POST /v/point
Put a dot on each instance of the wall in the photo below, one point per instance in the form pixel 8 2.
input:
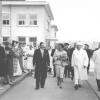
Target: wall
pixel 27 31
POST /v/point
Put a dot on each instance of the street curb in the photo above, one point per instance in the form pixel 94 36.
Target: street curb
pixel 15 83
pixel 94 91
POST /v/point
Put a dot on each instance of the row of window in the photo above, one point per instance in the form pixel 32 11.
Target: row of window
pixel 23 39
pixel 22 19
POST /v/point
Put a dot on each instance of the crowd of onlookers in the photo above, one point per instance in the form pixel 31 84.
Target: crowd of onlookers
pixel 15 59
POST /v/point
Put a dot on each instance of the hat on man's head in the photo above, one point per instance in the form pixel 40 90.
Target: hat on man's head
pixel 79 43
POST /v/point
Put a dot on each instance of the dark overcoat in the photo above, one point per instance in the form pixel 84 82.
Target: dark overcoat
pixel 41 63
pixel 9 62
pixel 2 62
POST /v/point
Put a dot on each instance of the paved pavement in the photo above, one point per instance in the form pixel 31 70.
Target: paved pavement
pixel 8 87
pixel 26 91
pixel 93 84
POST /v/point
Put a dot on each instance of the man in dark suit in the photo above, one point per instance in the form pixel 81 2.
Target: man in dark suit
pixel 70 58
pixel 41 61
pixel 89 53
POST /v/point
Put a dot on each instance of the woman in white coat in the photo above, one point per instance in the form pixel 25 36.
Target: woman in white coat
pixel 96 58
pixel 80 63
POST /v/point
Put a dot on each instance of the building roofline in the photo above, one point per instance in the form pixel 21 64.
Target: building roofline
pixel 31 3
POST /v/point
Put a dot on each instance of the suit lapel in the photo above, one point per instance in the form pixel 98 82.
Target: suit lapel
pixel 40 53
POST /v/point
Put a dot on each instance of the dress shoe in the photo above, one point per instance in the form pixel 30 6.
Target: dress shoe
pixel 60 86
pixel 36 88
pixel 76 87
pixel 42 86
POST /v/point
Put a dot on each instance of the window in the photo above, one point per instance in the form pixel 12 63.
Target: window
pixel 21 39
pixel 21 19
pixel 33 20
pixel 33 40
pixel 6 19
pixel 5 39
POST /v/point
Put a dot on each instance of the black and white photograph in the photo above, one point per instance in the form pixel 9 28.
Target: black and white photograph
pixel 49 49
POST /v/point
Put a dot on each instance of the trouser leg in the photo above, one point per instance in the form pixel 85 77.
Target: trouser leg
pixel 37 82
pixel 68 69
pixel 72 72
pixel 61 72
pixel 54 69
pixel 88 68
pixel 43 82
pixel 76 76
pixel 76 81
pixel 65 71
pixel 58 80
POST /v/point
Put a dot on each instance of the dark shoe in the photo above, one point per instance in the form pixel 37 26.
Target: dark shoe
pixel 36 88
pixel 60 87
pixel 76 87
pixel 72 78
pixel 79 85
pixel 42 86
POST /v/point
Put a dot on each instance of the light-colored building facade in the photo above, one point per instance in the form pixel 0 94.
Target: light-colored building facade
pixel 52 37
pixel 26 21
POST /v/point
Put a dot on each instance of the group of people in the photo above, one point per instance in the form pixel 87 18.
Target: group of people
pixel 15 59
pixel 71 62
pixel 62 61
pixel 67 61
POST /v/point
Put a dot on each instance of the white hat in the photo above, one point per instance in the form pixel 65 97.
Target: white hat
pixel 79 43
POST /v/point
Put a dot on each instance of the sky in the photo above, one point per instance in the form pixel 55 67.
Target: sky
pixel 76 19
